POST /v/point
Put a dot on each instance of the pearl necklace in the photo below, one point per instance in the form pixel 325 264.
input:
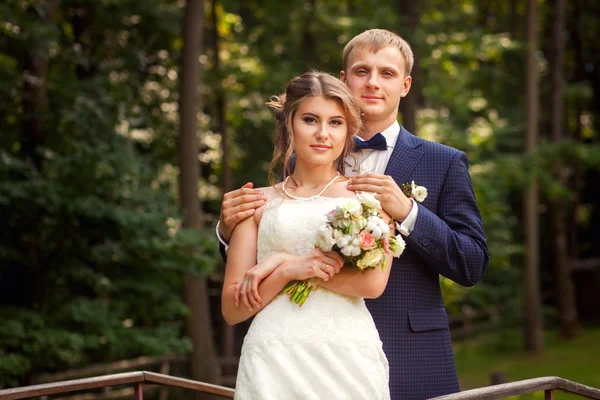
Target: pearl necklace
pixel 311 197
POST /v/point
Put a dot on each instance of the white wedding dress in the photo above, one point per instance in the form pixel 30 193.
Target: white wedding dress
pixel 327 349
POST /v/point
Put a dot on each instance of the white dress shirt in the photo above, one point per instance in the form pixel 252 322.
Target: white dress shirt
pixel 370 161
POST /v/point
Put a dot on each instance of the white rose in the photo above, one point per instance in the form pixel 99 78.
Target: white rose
pixel 397 245
pixel 418 192
pixel 368 200
pixel 325 239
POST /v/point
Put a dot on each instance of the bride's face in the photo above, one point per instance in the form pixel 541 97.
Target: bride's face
pixel 320 129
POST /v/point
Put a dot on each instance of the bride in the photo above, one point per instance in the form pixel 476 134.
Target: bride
pixel 329 348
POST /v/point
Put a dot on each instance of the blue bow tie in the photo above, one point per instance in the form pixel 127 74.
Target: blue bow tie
pixel 377 142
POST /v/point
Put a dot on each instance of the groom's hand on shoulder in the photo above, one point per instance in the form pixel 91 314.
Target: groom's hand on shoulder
pixel 238 205
pixel 393 201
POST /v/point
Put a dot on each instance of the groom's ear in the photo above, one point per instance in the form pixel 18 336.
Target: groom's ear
pixel 343 76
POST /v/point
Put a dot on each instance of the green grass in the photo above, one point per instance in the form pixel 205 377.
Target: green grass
pixel 577 360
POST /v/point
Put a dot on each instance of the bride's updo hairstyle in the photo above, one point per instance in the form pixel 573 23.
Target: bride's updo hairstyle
pixel 309 84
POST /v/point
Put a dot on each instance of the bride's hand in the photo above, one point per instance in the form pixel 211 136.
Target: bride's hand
pixel 247 288
pixel 314 264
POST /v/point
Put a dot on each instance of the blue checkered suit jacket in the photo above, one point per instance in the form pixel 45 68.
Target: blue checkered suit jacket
pixel 448 240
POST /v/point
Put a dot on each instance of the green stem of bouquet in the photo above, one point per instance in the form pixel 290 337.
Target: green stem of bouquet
pixel 299 291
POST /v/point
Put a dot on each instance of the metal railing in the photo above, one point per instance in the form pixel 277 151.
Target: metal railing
pixel 137 379
pixel 547 384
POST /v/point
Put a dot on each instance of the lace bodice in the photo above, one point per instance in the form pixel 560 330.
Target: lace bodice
pixel 289 225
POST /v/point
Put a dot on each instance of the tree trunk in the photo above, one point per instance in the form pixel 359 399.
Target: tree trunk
pixel 533 304
pixel 220 101
pixel 308 40
pixel 512 19
pixel 228 331
pixel 203 358
pixel 82 18
pixel 33 134
pixel 409 15
pixel 569 324
pixel 35 88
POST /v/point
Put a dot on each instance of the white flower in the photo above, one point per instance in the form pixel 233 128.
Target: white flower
pixel 418 192
pixel 337 234
pixel 348 208
pixel 385 229
pixel 362 222
pixel 377 227
pixel 376 233
pixel 371 224
pixel 325 239
pixel 351 250
pixel 397 245
pixel 344 241
pixel 368 200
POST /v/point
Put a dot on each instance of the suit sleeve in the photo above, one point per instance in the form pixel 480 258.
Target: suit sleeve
pixel 453 242
pixel 223 252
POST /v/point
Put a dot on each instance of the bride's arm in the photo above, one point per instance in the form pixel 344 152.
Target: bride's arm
pixel 368 284
pixel 273 273
pixel 240 259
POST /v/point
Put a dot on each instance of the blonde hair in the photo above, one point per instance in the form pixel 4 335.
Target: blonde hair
pixel 309 84
pixel 377 39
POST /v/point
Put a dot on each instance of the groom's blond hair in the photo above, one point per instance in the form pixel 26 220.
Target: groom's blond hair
pixel 376 39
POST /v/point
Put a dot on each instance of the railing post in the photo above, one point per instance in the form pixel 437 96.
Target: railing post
pixel 548 394
pixel 138 391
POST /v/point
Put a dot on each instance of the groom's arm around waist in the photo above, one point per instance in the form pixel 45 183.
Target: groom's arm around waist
pixel 453 242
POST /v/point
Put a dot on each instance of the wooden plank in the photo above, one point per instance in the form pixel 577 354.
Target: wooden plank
pixel 577 388
pixel 504 390
pixel 188 384
pixel 71 386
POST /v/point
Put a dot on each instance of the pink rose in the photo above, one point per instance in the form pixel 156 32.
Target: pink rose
pixel 385 244
pixel 366 241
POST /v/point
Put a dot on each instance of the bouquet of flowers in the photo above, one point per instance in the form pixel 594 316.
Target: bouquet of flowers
pixel 357 231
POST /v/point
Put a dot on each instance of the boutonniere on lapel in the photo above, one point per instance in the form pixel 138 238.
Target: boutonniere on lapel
pixel 410 190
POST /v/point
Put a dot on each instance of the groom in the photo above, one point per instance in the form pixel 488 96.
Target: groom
pixel 444 234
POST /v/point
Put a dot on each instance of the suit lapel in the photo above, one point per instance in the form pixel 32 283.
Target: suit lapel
pixel 404 158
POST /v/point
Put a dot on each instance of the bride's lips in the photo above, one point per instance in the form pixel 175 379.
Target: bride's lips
pixel 320 147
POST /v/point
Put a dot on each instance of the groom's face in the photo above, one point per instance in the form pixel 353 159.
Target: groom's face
pixel 378 81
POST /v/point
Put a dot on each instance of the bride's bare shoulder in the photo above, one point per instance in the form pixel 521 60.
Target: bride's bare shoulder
pixel 272 192
pixel 340 188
